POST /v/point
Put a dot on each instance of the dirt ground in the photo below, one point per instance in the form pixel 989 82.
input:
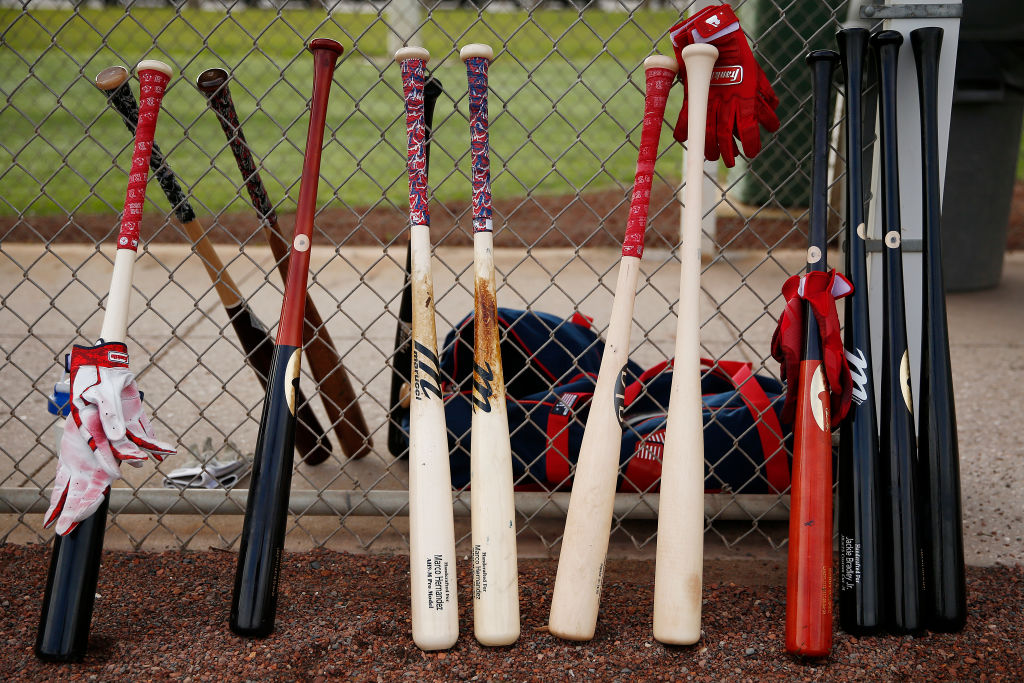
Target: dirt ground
pixel 341 616
pixel 543 221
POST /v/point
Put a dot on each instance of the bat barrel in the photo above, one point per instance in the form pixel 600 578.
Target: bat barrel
pixel 863 606
pixel 897 437
pixel 63 633
pixel 809 572
pixel 944 599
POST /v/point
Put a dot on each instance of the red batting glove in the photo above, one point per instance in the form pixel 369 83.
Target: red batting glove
pixel 820 290
pixel 740 97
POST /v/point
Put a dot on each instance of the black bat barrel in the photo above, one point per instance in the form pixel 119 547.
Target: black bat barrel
pixel 254 601
pixel 897 439
pixel 862 596
pixel 70 593
pixel 944 602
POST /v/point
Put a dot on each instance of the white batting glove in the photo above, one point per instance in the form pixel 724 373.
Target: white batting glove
pixel 106 426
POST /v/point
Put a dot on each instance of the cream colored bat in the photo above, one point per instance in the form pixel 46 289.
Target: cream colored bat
pixel 577 593
pixel 435 612
pixel 495 570
pixel 680 554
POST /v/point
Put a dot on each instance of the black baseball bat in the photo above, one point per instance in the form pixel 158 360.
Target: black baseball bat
pixel 862 595
pixel 254 599
pixel 944 601
pixel 257 346
pixel 898 443
pixel 401 360
pixel 70 593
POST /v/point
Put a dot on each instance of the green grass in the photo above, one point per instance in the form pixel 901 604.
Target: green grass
pixel 565 103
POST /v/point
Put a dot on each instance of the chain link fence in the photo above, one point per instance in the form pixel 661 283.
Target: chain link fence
pixel 565 108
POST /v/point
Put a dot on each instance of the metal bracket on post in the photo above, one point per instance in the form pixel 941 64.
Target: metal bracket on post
pixel 928 11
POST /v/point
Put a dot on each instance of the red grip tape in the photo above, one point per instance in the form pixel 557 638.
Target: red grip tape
pixel 659 81
pixel 152 84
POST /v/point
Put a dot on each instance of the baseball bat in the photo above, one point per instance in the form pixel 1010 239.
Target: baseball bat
pixel 252 335
pixel 809 570
pixel 944 600
pixel 401 359
pixel 335 388
pixel 577 592
pixel 897 439
pixel 68 600
pixel 435 612
pixel 254 599
pixel 495 569
pixel 862 602
pixel 679 560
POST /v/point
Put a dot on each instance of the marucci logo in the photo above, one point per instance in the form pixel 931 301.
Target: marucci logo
pixel 859 375
pixel 727 75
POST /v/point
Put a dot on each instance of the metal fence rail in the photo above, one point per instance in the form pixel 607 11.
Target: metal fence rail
pixel 566 105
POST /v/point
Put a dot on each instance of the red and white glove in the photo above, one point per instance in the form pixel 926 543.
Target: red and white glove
pixel 740 97
pixel 820 290
pixel 107 425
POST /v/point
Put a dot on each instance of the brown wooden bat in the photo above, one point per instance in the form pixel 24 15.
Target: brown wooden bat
pixel 334 384
pixel 257 345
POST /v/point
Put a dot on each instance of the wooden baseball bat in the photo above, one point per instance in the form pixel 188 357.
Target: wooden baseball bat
pixel 678 573
pixel 863 606
pixel 257 573
pixel 898 442
pixel 68 600
pixel 401 359
pixel 809 571
pixel 435 612
pixel 944 599
pixel 495 567
pixel 310 439
pixel 577 592
pixel 335 387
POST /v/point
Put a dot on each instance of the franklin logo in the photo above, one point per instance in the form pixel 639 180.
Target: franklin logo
pixel 713 20
pixel 727 75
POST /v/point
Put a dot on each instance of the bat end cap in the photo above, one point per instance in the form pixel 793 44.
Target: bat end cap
pixel 476 50
pixel 212 79
pixel 154 65
pixel 326 44
pixel 666 62
pixel 406 53
pixel 111 77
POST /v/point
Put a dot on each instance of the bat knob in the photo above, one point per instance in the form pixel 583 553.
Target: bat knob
pixel 407 53
pixel 154 65
pixel 212 79
pixel 476 50
pixel 111 77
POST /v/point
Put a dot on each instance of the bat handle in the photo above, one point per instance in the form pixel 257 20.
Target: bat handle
pixel 477 58
pixel 659 72
pixel 213 83
pixel 289 332
pixel 153 79
pixel 413 62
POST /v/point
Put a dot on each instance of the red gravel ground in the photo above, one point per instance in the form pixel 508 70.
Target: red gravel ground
pixel 163 616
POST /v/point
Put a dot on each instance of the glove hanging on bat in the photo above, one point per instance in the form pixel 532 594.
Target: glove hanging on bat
pixel 106 426
pixel 740 97
pixel 820 290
